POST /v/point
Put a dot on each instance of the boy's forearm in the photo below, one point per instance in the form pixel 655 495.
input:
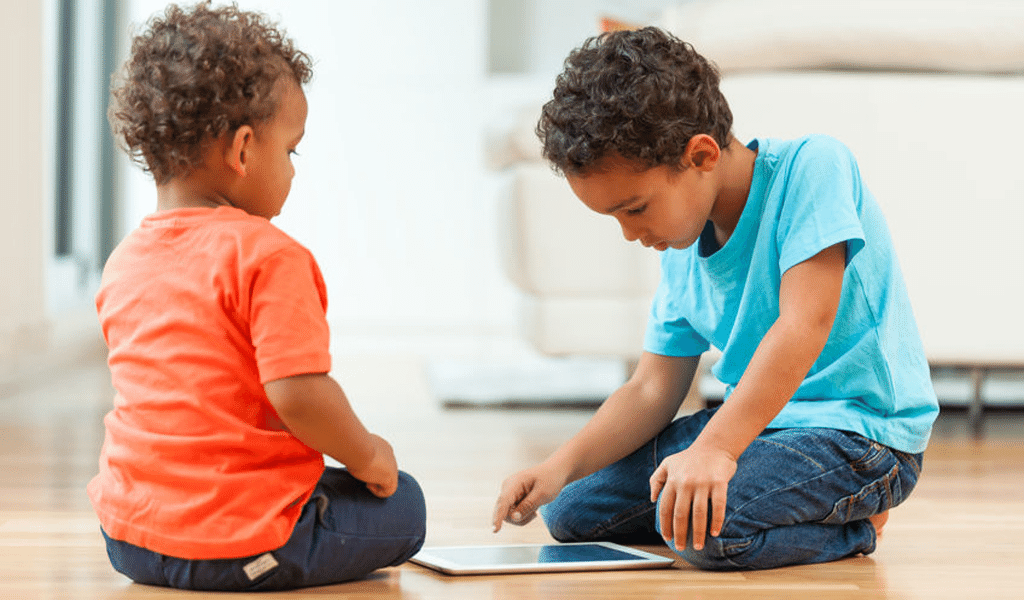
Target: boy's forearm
pixel 629 418
pixel 775 372
pixel 316 410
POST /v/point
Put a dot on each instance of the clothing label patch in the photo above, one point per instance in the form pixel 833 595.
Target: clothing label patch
pixel 260 566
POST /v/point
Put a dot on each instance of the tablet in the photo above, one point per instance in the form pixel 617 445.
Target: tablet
pixel 536 558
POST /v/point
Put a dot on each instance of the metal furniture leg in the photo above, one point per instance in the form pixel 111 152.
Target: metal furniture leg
pixel 977 403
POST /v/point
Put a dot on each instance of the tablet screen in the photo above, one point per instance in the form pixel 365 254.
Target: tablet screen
pixel 537 557
pixel 519 555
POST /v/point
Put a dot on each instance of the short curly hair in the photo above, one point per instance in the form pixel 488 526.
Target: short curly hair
pixel 194 74
pixel 640 94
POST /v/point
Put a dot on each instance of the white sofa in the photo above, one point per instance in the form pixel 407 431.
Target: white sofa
pixel 928 95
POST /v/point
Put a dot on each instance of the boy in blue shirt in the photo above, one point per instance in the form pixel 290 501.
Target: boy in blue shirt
pixel 776 254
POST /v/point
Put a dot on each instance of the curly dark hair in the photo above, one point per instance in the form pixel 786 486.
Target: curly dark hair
pixel 639 94
pixel 194 74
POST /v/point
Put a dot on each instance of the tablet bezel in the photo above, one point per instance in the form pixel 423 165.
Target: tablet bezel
pixel 427 557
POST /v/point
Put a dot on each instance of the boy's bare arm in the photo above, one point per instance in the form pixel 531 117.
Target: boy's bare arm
pixel 808 302
pixel 630 417
pixel 688 481
pixel 316 410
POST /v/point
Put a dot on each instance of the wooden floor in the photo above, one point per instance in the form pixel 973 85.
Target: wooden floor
pixel 961 535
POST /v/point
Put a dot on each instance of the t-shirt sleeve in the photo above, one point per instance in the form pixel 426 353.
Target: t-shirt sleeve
pixel 820 205
pixel 288 316
pixel 669 332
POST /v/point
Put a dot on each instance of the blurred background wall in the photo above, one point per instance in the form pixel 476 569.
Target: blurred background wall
pixel 23 316
pixel 392 194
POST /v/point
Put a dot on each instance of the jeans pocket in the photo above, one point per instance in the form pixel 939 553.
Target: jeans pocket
pixel 873 456
pixel 876 496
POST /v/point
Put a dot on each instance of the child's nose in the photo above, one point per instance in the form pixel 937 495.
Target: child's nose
pixel 630 233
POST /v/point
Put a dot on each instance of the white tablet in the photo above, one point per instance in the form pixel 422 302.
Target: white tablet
pixel 535 558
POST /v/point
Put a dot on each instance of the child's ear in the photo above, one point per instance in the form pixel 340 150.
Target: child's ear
pixel 702 151
pixel 237 147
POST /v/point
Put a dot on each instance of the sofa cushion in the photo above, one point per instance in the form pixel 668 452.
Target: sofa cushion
pixel 938 151
pixel 557 246
pixel 932 35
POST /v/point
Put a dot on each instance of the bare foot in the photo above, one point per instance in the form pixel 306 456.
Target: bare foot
pixel 879 521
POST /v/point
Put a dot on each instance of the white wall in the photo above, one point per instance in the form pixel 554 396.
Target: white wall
pixel 388 190
pixel 23 321
pixel 392 194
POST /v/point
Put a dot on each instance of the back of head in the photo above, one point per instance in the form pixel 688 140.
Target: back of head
pixel 640 94
pixel 193 75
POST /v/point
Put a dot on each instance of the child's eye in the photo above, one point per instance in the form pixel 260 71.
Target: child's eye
pixel 292 153
pixel 636 210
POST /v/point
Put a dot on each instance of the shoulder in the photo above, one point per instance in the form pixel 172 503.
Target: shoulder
pixel 125 259
pixel 813 162
pixel 820 148
pixel 258 257
pixel 257 237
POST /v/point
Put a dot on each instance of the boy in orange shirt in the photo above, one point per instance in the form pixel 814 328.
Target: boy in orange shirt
pixel 212 474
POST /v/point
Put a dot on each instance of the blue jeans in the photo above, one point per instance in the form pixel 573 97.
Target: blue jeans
pixel 343 533
pixel 798 496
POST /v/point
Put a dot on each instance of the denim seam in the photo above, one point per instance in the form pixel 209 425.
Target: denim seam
pixel 793 450
pixel 914 461
pixel 163 567
pixel 603 528
pixel 726 548
pixel 875 453
pixel 884 484
pixel 874 541
pixel 737 545
pixel 739 509
pixel 363 536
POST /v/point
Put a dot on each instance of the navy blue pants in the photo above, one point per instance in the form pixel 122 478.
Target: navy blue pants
pixel 343 533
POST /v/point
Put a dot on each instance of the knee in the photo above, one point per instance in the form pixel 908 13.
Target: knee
pixel 711 558
pixel 411 503
pixel 714 556
pixel 554 516
pixel 407 518
pixel 409 487
pixel 564 519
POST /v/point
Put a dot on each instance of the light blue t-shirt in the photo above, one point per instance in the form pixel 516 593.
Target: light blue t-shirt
pixel 806 195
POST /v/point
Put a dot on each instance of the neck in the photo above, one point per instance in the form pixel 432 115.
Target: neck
pixel 737 172
pixel 191 191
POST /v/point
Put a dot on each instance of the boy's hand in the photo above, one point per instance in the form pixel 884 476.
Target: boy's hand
pixel 315 410
pixel 688 482
pixel 523 493
pixel 381 473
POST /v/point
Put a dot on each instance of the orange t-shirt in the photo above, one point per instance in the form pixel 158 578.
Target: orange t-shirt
pixel 199 308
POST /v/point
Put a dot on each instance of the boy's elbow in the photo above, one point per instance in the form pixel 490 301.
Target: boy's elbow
pixel 820 322
pixel 810 332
